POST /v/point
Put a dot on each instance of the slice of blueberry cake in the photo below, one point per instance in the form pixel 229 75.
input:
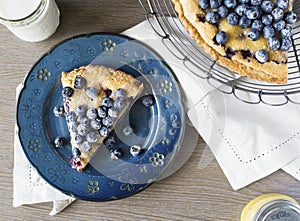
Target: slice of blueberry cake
pixel 250 37
pixel 95 98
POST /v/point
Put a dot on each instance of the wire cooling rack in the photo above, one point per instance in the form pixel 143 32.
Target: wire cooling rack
pixel 164 20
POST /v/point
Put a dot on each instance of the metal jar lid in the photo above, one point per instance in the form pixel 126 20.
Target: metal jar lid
pixel 278 210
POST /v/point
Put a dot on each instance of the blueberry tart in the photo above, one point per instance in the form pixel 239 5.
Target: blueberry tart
pixel 251 38
pixel 95 98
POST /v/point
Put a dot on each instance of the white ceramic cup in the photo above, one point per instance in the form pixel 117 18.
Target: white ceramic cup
pixel 30 20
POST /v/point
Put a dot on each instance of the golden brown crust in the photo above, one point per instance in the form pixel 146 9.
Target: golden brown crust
pixel 274 71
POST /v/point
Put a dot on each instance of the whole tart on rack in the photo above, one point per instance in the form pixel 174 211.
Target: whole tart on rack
pixel 95 99
pixel 238 52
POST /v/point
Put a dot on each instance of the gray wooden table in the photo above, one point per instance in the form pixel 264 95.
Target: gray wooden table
pixel 189 194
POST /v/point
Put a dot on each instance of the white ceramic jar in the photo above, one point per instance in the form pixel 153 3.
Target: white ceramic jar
pixel 30 20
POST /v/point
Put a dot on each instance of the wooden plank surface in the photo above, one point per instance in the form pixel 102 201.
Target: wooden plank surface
pixel 190 194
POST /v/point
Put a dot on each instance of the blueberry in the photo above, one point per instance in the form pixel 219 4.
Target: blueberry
pixel 92 113
pixel 261 55
pixel 215 3
pixel 268 32
pixel 92 137
pixel 230 3
pixel 277 13
pixel 291 17
pixel 83 129
pixel 241 9
pixel 85 146
pixel 71 117
pixel 244 1
pixel 221 38
pixel 223 11
pixel 83 120
pixel 253 34
pixel 72 126
pixel 107 102
pixel 116 154
pixel 96 124
pixel 120 93
pixel 119 104
pixel 80 110
pixel 267 6
pixel 76 153
pixel 59 111
pixel 212 17
pixel 245 22
pixel 253 13
pixel 233 18
pixel 278 25
pixel 283 4
pixel 77 139
pixel 67 92
pixel 79 82
pixel 135 150
pixel 92 92
pixel 274 43
pixel 148 100
pixel 104 131
pixel 110 142
pixel 287 31
pixel 127 130
pixel 107 121
pixel 60 141
pixel 256 2
pixel 267 19
pixel 204 4
pixel 257 24
pixel 286 43
pixel 102 111
pixel 112 112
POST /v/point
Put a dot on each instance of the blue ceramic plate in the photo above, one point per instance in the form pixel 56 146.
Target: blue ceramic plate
pixel 158 129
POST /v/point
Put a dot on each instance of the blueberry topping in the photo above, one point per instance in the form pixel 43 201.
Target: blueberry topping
pixel 253 34
pixel 76 153
pixel 230 3
pixel 278 25
pixel 287 31
pixel 112 112
pixel 77 139
pixel 215 3
pixel 233 18
pixel 116 154
pixel 204 4
pixel 92 92
pixel 85 146
pixel 258 25
pixel 291 17
pixel 274 43
pixel 244 1
pixel 80 110
pixel 245 22
pixel 102 111
pixel 79 82
pixel 110 142
pixel 83 120
pixel 148 100
pixel 221 38
pixel 107 102
pixel 83 129
pixel 285 44
pixel 92 113
pixel 108 92
pixel 256 2
pixel 223 11
pixel 267 19
pixel 267 6
pixel 92 137
pixel 283 4
pixel 96 124
pixel 262 56
pixel 104 131
pixel 107 121
pixel 268 32
pixel 59 111
pixel 119 104
pixel 253 13
pixel 212 17
pixel 277 13
pixel 127 130
pixel 72 127
pixel 135 150
pixel 60 141
pixel 71 117
pixel 241 9
pixel 67 92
